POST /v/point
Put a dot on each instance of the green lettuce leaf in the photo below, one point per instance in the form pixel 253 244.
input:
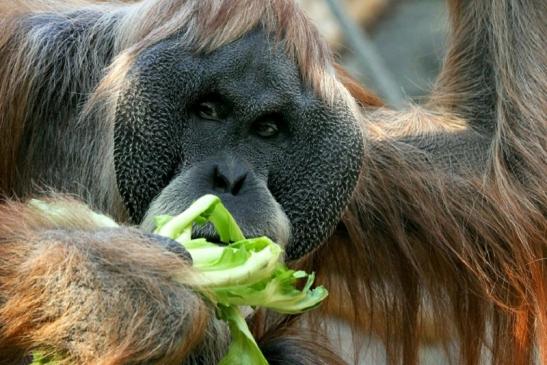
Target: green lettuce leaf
pixel 243 349
pixel 41 358
pixel 277 292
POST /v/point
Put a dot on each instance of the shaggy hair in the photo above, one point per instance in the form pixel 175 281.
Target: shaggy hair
pixel 62 65
pixel 445 239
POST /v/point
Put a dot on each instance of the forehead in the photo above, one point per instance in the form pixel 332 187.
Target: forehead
pixel 255 62
pixel 258 53
pixel 248 66
pixel 253 72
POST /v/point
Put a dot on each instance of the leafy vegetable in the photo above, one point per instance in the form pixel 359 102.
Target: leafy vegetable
pixel 277 292
pixel 40 358
pixel 243 349
pixel 245 272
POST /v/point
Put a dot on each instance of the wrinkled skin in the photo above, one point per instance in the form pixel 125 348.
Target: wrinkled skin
pixel 238 123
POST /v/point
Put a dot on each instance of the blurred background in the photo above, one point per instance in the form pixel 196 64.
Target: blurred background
pixel 394 47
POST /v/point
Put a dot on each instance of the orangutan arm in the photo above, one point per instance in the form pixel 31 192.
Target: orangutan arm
pixel 97 296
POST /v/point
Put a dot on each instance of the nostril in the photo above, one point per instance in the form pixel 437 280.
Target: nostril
pixel 238 184
pixel 227 179
pixel 220 182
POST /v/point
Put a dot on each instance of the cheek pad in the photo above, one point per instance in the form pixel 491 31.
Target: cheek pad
pixel 316 180
pixel 314 176
pixel 149 128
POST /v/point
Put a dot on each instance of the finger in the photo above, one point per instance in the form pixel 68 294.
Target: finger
pixel 171 245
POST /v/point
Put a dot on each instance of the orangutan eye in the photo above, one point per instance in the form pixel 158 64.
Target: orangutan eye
pixel 267 127
pixel 211 107
pixel 208 110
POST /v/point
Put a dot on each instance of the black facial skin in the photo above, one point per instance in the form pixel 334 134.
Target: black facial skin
pixel 238 123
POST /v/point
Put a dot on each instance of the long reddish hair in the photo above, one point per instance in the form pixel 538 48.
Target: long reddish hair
pixel 453 253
